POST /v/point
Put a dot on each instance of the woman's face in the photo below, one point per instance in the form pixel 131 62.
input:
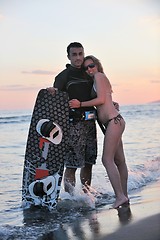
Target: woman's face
pixel 90 67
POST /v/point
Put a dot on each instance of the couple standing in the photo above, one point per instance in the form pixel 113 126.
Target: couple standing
pixel 81 78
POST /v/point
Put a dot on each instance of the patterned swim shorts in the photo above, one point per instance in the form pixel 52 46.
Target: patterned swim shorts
pixel 82 144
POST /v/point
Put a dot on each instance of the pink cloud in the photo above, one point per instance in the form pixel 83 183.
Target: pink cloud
pixel 39 72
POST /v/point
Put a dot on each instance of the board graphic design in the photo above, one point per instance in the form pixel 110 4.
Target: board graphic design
pixel 45 150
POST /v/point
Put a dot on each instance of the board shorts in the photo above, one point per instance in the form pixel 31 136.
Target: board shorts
pixel 82 144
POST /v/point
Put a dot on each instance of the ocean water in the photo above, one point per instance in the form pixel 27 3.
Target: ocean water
pixel 141 141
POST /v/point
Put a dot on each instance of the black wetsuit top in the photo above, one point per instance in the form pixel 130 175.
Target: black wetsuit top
pixel 76 83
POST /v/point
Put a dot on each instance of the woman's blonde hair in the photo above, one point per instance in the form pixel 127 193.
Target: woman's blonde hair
pixel 96 62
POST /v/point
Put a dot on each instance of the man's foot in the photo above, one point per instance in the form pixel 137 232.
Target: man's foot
pixel 86 188
pixel 68 187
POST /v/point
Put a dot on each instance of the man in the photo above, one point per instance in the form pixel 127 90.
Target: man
pixel 82 144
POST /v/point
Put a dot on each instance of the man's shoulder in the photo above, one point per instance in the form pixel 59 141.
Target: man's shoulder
pixel 62 74
pixel 61 79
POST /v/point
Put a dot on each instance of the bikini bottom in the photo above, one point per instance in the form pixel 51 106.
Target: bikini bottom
pixel 116 119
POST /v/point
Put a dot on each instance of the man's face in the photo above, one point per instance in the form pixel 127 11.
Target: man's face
pixel 76 56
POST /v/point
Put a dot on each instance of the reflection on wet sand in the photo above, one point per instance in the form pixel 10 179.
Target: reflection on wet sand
pixel 63 225
pixel 125 214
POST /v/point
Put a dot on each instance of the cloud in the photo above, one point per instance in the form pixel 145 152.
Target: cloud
pixel 155 81
pixel 39 72
pixel 17 87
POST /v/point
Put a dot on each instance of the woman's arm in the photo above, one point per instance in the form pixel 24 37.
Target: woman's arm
pixel 101 94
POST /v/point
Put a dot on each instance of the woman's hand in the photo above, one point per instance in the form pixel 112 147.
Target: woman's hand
pixel 74 103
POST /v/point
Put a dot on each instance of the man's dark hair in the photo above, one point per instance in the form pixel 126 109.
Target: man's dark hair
pixel 73 45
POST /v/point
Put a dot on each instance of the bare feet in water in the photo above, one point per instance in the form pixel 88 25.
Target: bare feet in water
pixel 119 202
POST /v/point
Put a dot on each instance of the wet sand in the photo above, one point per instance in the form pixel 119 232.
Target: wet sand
pixel 140 221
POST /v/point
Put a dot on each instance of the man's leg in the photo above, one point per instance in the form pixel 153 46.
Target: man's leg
pixel 90 153
pixel 69 180
pixel 86 174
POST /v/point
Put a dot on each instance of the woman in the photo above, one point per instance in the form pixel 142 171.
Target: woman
pixel 113 157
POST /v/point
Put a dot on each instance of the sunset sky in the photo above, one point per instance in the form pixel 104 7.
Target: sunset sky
pixel 123 34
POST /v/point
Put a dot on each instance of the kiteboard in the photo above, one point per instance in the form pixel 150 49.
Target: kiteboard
pixel 45 150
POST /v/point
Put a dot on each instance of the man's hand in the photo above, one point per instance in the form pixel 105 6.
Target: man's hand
pixel 51 90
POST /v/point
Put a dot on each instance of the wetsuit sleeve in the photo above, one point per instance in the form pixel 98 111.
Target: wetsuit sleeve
pixel 60 81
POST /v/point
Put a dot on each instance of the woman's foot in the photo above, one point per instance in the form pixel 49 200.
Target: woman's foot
pixel 119 202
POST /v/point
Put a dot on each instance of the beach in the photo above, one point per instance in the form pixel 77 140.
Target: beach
pixel 140 221
pixel 85 216
pixel 143 223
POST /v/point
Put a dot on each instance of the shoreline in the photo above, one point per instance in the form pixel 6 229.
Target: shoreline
pixel 140 221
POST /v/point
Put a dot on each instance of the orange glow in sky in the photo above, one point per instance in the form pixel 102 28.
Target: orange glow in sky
pixel 123 34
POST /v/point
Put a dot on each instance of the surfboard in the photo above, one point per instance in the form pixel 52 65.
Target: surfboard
pixel 45 150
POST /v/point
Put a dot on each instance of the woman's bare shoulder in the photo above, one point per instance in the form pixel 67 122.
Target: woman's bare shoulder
pixel 99 75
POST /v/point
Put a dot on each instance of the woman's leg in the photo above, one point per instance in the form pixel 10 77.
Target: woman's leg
pixel 122 167
pixel 111 142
